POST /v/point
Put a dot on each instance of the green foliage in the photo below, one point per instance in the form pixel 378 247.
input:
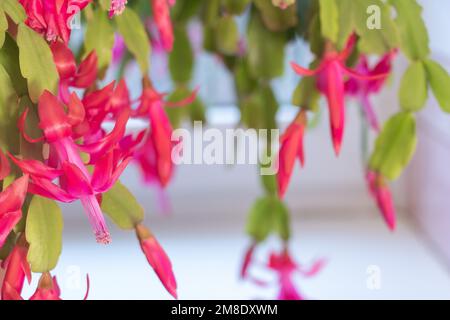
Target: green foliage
pixel 135 37
pixel 413 32
pixel 268 215
pixel 9 134
pixel 413 88
pixel 14 10
pixel 306 94
pixel 181 59
pixel 3 26
pixel 265 50
pixel 329 18
pixel 227 36
pixel 235 7
pixel 122 207
pixel 9 59
pixel 36 62
pixel 44 233
pixel 439 81
pixel 395 145
pixel 99 37
pixel 274 18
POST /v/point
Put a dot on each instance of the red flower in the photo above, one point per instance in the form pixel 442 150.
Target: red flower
pixel 291 149
pixel 70 75
pixel 11 201
pixel 4 166
pixel 161 14
pixel 48 288
pixel 157 259
pixel 52 18
pixel 382 194
pixel 155 155
pixel 17 268
pixel 65 163
pixel 330 81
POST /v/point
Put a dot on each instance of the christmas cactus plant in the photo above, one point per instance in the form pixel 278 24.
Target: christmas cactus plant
pixel 55 106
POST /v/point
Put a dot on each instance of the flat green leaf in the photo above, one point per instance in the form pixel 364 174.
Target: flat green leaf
pixel 122 207
pixel 227 35
pixel 181 59
pixel 265 50
pixel 274 18
pixel 413 87
pixel 9 58
pixel 235 7
pixel 329 19
pixel 36 62
pixel 260 220
pixel 413 32
pixel 3 26
pixel 44 233
pixel 133 32
pixel 14 10
pixel 395 145
pixel 306 95
pixel 9 134
pixel 439 81
pixel 282 222
pixel 100 38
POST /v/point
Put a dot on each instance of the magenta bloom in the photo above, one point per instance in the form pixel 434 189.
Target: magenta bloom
pixel 11 201
pixel 362 89
pixel 161 15
pixel 330 81
pixel 382 194
pixel 17 269
pixel 65 163
pixel 291 149
pixel 4 166
pixel 157 259
pixel 285 267
pixel 155 155
pixel 117 7
pixel 52 18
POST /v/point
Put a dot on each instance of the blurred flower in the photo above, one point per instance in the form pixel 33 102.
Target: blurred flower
pixel 11 201
pixel 155 155
pixel 285 267
pixel 291 149
pixel 362 89
pixel 161 15
pixel 382 194
pixel 157 259
pixel 52 18
pixel 17 268
pixel 117 7
pixel 330 81
pixel 283 4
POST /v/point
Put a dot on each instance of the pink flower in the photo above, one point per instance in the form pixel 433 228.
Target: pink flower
pixel 155 155
pixel 17 268
pixel 362 89
pixel 247 260
pixel 330 81
pixel 52 18
pixel 291 149
pixel 4 166
pixel 157 259
pixel 117 7
pixel 81 77
pixel 161 15
pixel 65 163
pixel 283 264
pixel 48 288
pixel 11 201
pixel 381 193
